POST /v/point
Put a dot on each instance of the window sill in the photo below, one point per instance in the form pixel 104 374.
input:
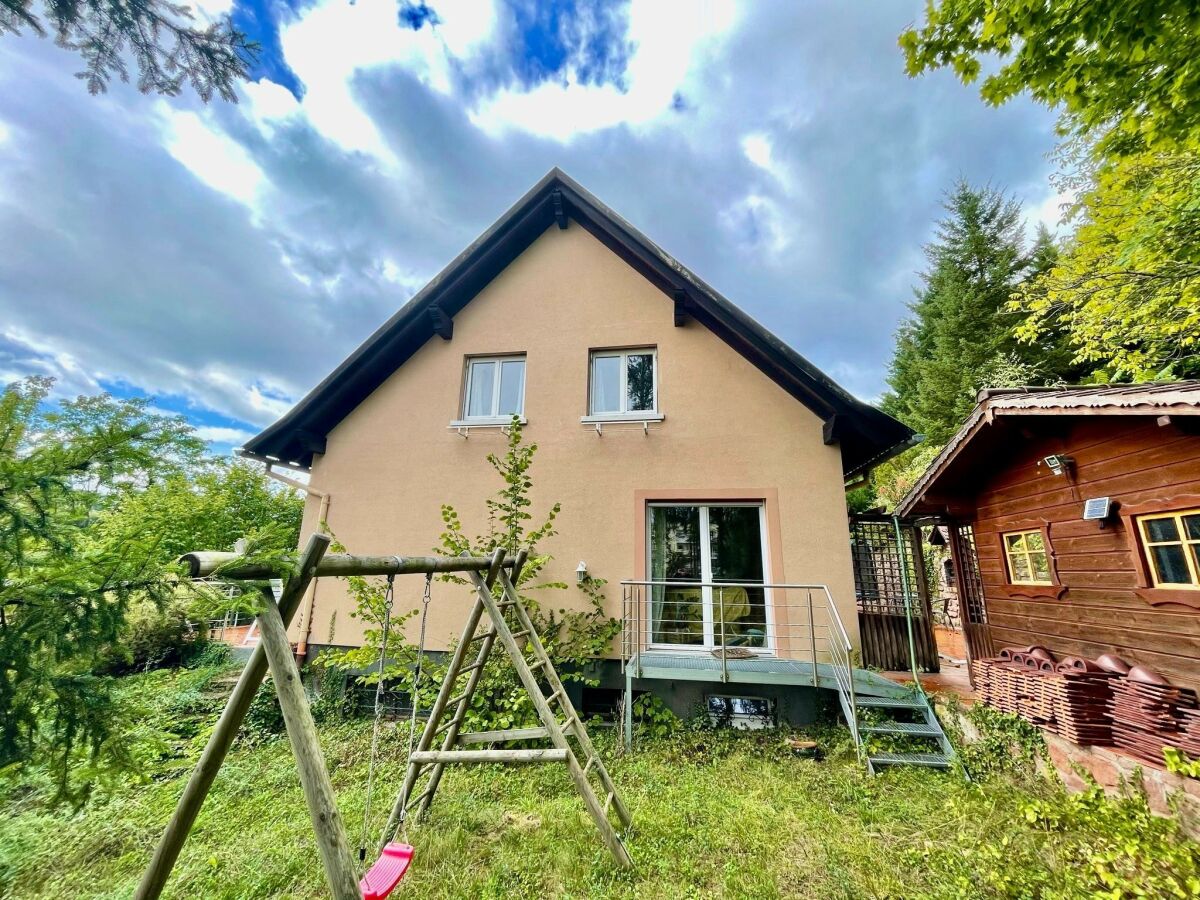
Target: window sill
pixel 622 417
pixel 486 422
pixel 1156 596
pixel 1032 591
pixel 645 419
pixel 463 426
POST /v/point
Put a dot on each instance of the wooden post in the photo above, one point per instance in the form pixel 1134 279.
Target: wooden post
pixel 176 832
pixel 306 747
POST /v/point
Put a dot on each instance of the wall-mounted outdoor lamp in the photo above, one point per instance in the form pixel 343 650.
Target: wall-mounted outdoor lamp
pixel 581 572
pixel 1058 464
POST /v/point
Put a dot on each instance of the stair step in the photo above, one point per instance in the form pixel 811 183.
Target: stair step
pixel 934 760
pixel 888 703
pixel 913 729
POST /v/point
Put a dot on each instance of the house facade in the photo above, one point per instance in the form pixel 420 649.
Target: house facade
pixel 1074 521
pixel 694 455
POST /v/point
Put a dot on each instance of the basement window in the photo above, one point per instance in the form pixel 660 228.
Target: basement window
pixel 749 713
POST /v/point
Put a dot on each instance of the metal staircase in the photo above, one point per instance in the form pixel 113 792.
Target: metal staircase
pixel 923 727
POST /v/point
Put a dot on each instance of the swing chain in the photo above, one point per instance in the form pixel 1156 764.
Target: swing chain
pixel 415 699
pixel 388 599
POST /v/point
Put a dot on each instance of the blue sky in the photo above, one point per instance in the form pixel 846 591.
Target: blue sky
pixel 223 259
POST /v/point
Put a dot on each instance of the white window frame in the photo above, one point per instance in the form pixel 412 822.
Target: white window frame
pixel 706 593
pixel 492 418
pixel 625 415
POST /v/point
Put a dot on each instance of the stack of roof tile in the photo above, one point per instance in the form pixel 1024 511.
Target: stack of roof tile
pixel 1070 698
pixel 1149 713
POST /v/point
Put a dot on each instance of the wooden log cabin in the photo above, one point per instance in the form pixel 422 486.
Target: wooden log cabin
pixel 1074 522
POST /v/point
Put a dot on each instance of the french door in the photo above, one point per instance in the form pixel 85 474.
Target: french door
pixel 707 563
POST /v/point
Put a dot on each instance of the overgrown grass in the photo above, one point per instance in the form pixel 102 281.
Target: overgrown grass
pixel 717 814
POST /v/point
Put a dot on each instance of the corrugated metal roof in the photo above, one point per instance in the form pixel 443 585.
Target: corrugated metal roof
pixel 1178 397
pixel 1154 393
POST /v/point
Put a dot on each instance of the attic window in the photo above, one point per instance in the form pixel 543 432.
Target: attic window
pixel 495 388
pixel 624 383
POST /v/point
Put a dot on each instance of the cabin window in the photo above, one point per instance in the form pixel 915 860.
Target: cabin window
pixel 1028 561
pixel 1172 545
pixel 623 383
pixel 495 388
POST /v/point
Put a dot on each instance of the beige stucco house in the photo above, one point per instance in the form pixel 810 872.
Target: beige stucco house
pixel 691 450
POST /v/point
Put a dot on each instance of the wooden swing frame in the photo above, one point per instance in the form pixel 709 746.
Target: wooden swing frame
pixel 274 652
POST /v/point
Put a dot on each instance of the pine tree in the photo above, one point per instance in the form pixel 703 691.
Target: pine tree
pixel 157 34
pixel 959 337
pixel 65 584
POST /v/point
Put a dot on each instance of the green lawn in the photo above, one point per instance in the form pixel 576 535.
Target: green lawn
pixel 716 814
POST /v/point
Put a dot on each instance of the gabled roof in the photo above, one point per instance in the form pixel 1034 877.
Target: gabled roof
pixel 1176 398
pixel 866 435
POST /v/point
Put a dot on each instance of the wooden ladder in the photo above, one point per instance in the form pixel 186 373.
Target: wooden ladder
pixel 561 725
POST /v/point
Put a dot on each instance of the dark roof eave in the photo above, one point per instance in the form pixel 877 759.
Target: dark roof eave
pixel 871 436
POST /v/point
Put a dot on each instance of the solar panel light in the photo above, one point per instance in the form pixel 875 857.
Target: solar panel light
pixel 1058 464
pixel 1097 509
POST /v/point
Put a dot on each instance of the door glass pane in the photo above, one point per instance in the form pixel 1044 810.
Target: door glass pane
pixel 736 555
pixel 482 382
pixel 1171 564
pixel 512 387
pixel 606 384
pixel 639 377
pixel 676 613
pixel 1162 530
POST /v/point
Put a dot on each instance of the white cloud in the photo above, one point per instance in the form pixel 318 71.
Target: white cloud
pixel 213 9
pixel 333 41
pixel 758 224
pixel 220 435
pixel 757 148
pixel 268 102
pixel 214 158
pixel 1050 211
pixel 669 40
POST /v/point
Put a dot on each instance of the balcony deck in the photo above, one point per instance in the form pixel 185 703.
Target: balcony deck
pixel 694 666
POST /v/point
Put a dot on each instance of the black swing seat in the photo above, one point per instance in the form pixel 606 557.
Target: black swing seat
pixel 383 876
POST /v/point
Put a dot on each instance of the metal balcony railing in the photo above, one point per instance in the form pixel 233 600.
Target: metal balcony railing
pixel 739 620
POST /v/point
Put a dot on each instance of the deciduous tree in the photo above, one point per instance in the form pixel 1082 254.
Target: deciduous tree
pixel 1126 291
pixel 1125 72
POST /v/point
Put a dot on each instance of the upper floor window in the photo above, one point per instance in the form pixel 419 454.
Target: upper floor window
pixel 623 382
pixel 1028 562
pixel 1172 545
pixel 495 387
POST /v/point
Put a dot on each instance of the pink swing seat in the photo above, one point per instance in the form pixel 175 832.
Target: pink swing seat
pixel 381 879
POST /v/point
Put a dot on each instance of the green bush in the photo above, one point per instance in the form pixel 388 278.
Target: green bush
pixel 154 637
pixel 264 718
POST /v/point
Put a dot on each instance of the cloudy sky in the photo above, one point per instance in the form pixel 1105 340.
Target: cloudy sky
pixel 223 259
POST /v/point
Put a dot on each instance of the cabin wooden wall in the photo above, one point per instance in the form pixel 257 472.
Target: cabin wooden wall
pixel 1095 609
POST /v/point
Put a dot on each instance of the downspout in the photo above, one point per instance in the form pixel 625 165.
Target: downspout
pixel 310 595
pixel 906 587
